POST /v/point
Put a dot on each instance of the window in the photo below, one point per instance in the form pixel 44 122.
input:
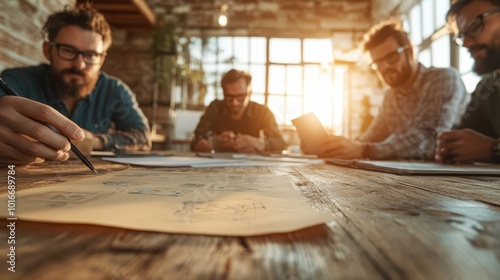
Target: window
pixel 465 68
pixel 425 22
pixel 292 76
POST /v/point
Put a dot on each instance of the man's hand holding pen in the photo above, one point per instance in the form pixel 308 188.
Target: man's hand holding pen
pixel 224 140
pixel 25 141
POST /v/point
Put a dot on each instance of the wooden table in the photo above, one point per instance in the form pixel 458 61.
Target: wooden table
pixel 383 226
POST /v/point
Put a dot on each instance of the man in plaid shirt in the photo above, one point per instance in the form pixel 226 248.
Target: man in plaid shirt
pixel 420 103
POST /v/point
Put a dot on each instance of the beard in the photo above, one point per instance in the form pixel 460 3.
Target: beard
pixel 400 77
pixel 489 63
pixel 73 88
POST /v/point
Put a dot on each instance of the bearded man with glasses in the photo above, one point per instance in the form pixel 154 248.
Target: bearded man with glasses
pixel 476 24
pixel 419 103
pixel 237 124
pixel 74 85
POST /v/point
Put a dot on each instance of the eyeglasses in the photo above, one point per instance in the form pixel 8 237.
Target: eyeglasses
pixel 70 53
pixel 473 28
pixel 239 97
pixel 390 58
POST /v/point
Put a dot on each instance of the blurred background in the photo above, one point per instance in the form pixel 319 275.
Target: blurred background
pixel 303 55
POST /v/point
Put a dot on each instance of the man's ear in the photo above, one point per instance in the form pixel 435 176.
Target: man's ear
pixel 103 58
pixel 46 50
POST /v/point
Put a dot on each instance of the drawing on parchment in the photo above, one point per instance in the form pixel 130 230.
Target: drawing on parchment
pixel 240 178
pixel 137 174
pixel 179 191
pixel 232 188
pixel 235 211
pixel 124 184
pixel 58 198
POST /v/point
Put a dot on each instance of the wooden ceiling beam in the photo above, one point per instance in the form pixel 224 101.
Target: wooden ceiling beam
pixel 126 13
pixel 116 8
pixel 146 11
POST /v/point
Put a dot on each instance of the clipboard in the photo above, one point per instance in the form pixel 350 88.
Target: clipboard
pixel 311 131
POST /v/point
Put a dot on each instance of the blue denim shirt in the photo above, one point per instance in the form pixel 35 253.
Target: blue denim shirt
pixel 110 111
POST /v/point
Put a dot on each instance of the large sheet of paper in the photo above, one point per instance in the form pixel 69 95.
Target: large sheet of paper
pixel 235 160
pixel 191 203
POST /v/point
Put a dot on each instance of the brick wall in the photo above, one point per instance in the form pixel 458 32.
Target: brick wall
pixel 20 25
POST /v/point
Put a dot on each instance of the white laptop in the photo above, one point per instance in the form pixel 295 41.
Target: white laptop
pixel 311 131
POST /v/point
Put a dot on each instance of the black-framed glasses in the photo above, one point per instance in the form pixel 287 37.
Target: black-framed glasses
pixel 390 58
pixel 70 53
pixel 473 28
pixel 239 97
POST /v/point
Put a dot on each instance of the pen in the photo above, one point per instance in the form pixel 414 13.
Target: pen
pixel 9 91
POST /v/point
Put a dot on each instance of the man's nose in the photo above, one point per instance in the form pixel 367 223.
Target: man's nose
pixel 79 62
pixel 234 101
pixel 382 65
pixel 469 41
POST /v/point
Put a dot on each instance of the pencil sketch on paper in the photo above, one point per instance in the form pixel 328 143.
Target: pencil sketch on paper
pixel 179 191
pixel 121 183
pixel 231 211
pixel 60 198
pixel 236 204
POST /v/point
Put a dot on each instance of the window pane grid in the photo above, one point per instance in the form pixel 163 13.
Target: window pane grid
pixel 287 73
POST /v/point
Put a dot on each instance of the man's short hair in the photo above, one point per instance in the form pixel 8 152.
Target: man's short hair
pixel 234 75
pixel 384 30
pixel 458 5
pixel 83 16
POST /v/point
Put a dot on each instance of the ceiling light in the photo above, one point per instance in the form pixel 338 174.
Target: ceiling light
pixel 222 20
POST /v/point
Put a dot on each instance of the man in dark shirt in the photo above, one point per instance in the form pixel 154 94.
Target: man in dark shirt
pixel 72 84
pixel 237 124
pixel 476 24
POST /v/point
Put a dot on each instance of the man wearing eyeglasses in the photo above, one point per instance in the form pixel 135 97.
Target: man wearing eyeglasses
pixel 420 102
pixel 476 24
pixel 72 84
pixel 237 124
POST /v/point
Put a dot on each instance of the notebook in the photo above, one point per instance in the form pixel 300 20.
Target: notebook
pixel 420 168
pixel 311 131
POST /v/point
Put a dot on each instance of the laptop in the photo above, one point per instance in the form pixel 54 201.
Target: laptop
pixel 311 131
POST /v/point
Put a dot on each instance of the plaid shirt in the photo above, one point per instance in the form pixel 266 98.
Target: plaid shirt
pixel 409 120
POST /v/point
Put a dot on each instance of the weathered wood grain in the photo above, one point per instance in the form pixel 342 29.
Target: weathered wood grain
pixel 383 226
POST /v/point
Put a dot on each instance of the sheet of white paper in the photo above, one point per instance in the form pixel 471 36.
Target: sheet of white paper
pixel 249 160
pixel 191 203
pixel 429 167
pixel 174 161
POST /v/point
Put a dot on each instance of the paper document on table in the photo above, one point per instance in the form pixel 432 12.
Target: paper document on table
pixel 173 161
pixel 190 203
pixel 234 160
pixel 420 168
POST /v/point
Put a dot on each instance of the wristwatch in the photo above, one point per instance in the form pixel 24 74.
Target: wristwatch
pixel 496 150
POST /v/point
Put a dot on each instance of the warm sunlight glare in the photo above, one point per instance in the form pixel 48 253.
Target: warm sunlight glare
pixel 303 78
pixel 318 95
